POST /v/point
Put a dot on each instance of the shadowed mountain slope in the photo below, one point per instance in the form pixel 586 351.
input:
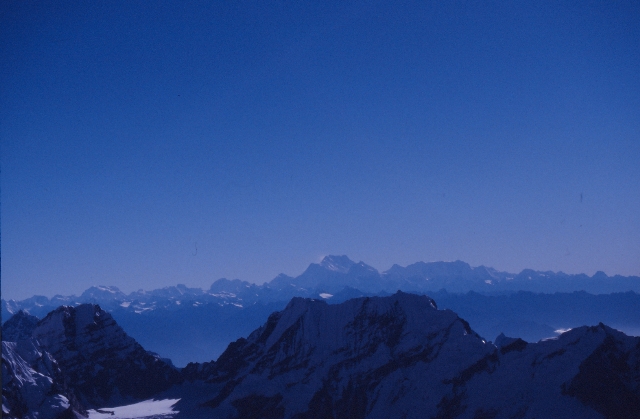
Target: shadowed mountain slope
pixel 399 356
pixel 370 357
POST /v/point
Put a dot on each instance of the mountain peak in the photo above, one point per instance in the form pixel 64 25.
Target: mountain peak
pixel 102 292
pixel 19 326
pixel 334 263
pixel 399 356
pixel 113 362
pixel 600 276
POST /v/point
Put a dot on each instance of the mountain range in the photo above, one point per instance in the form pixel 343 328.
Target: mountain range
pixel 203 322
pixel 339 274
pixel 368 357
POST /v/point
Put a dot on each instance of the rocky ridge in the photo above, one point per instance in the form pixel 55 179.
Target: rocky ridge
pixel 332 276
pixel 20 326
pixel 107 366
pixel 370 357
pixel 233 308
pixel 33 386
pixel 78 358
pixel 399 356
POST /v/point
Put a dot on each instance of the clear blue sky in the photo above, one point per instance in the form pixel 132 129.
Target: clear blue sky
pixel 146 144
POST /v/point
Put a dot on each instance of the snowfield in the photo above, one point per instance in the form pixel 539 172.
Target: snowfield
pixel 146 409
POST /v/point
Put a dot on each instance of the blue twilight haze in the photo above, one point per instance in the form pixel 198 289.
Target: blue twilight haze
pixel 146 144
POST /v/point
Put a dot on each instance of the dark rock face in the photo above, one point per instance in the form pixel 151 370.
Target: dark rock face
pixel 399 356
pixel 77 358
pixel 608 380
pixel 103 364
pixel 260 407
pixel 20 326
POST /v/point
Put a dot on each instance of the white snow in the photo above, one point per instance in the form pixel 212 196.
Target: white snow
pixel 143 409
pixel 125 304
pixel 325 295
pixel 223 294
pixel 143 310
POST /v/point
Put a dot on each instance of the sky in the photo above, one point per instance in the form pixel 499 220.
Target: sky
pixel 146 144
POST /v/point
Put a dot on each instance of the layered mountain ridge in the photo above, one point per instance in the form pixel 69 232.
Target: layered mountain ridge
pixel 335 273
pixel 204 321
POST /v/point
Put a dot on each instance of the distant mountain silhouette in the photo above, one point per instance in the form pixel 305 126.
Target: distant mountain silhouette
pixel 492 301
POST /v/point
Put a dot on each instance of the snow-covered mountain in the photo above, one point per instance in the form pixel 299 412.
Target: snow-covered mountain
pixel 105 365
pixel 204 321
pixel 76 358
pixel 369 357
pixel 33 386
pixel 19 327
pixel 330 277
pixel 400 356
